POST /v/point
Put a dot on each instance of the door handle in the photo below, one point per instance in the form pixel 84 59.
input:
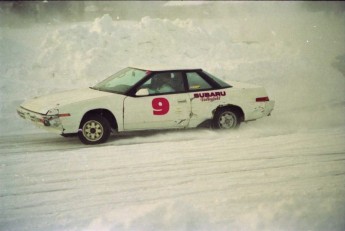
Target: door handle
pixel 182 101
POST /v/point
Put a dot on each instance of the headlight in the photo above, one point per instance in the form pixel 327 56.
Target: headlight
pixel 52 118
pixel 51 121
pixel 53 111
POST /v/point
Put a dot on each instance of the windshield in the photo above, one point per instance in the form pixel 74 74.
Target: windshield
pixel 121 81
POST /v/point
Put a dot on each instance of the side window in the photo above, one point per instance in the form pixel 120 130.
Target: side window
pixel 164 82
pixel 177 81
pixel 196 82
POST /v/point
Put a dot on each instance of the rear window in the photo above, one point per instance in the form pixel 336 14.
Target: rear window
pixel 196 82
pixel 217 80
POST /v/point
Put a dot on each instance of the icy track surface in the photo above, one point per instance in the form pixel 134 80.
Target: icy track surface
pixel 284 172
pixel 202 180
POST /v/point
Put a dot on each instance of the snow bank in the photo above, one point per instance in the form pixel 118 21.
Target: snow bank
pixel 102 47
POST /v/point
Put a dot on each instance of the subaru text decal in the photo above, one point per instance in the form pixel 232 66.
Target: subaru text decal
pixel 210 96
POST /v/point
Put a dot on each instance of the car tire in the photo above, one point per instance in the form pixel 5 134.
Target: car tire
pixel 226 118
pixel 94 129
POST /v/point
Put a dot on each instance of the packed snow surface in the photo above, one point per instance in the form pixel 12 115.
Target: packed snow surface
pixel 283 172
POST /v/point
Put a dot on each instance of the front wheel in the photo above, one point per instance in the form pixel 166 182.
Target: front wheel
pixel 226 118
pixel 94 129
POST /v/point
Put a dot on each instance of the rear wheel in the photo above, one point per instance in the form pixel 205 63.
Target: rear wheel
pixel 226 118
pixel 94 129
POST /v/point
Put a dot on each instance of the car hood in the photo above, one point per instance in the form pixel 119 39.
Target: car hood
pixel 44 103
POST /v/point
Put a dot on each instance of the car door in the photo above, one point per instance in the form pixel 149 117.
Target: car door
pixel 165 109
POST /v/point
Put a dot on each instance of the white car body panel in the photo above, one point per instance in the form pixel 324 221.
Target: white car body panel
pixel 202 107
pixel 111 102
pixel 76 103
pixel 141 114
pixel 63 112
pixel 44 103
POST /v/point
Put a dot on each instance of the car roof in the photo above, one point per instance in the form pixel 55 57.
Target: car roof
pixel 163 69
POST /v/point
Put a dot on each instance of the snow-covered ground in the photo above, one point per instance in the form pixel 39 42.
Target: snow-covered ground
pixel 244 180
pixel 284 172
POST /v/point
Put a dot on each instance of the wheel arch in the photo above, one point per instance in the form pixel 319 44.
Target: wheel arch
pixel 108 115
pixel 238 110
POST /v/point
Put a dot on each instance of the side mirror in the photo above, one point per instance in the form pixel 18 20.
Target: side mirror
pixel 142 92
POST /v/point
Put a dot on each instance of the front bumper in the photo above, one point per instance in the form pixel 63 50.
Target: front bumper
pixel 48 122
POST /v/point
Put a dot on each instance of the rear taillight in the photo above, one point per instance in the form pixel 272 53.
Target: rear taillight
pixel 262 99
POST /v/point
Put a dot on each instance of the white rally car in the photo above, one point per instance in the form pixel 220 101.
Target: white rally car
pixel 136 99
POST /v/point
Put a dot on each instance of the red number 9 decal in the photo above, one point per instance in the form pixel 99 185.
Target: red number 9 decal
pixel 160 106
